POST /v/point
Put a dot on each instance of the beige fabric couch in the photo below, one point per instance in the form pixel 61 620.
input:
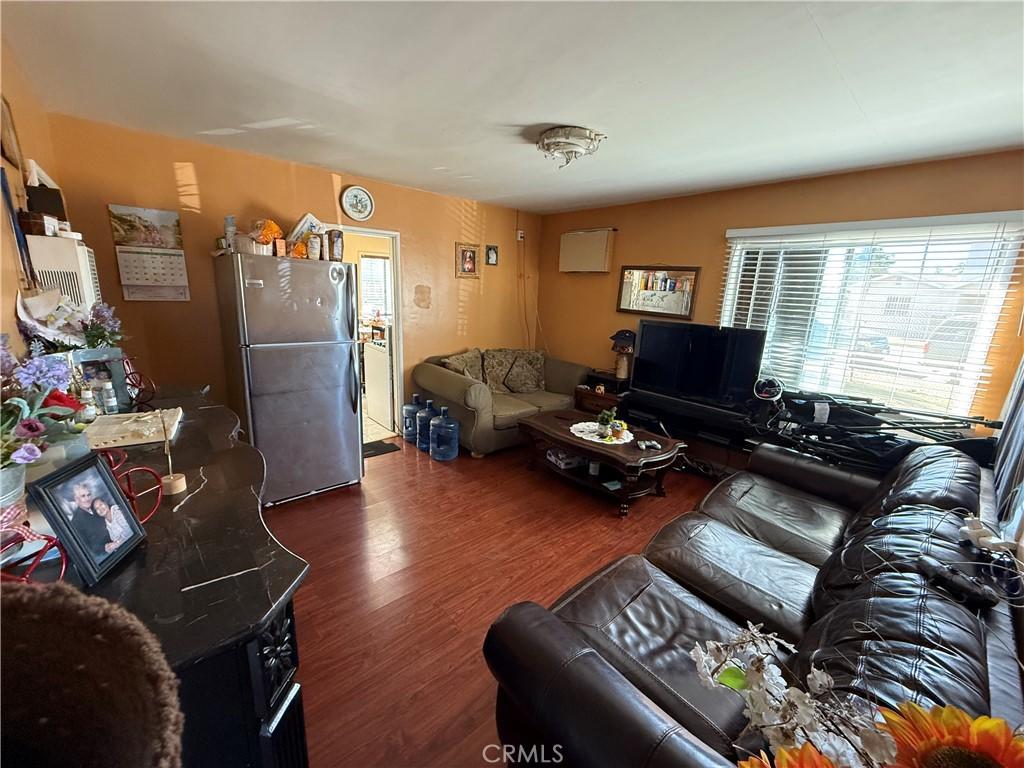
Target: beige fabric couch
pixel 488 420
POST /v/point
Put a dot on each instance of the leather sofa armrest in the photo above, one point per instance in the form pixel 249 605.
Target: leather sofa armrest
pixel 810 474
pixel 562 377
pixel 581 702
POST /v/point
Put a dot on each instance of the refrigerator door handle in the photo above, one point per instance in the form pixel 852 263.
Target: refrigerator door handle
pixel 341 275
pixel 355 379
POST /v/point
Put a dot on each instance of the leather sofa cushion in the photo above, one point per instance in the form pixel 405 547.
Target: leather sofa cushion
pixel 741 576
pixel 1004 672
pixel 936 475
pixel 509 409
pixel 546 401
pixel 894 639
pixel 888 543
pixel 800 524
pixel 645 625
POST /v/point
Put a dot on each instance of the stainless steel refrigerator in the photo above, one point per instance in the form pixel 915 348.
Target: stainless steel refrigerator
pixel 291 336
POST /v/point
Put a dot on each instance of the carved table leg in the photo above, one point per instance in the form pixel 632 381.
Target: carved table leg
pixel 628 484
pixel 659 480
pixel 535 448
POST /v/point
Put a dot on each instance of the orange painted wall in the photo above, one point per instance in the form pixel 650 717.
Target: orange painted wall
pixel 180 342
pixel 577 311
pixel 32 124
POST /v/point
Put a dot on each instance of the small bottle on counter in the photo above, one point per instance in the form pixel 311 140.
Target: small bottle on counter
pixel 88 413
pixel 230 230
pixel 109 398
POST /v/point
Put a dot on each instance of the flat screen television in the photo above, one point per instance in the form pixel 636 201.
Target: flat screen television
pixel 706 363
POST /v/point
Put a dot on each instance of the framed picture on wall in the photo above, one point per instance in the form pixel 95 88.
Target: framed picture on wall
pixel 664 291
pixel 491 255
pixel 467 260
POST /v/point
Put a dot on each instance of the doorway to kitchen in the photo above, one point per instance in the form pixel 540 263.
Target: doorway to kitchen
pixel 375 254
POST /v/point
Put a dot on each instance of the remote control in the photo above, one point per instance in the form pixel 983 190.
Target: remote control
pixel 974 594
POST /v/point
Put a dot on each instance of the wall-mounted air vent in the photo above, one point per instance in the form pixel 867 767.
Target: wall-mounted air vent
pixel 586 250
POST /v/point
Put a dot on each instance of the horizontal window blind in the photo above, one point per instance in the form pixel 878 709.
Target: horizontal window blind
pixel 375 285
pixel 914 315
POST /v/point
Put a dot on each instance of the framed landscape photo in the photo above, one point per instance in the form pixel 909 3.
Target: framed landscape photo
pixel 663 291
pixel 467 260
pixel 90 515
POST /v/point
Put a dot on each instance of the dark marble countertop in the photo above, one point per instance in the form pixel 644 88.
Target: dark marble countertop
pixel 209 572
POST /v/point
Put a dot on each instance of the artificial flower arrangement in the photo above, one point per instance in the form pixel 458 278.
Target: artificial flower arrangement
pixel 102 328
pixel 35 404
pixel 817 728
pixel 609 427
pixel 58 325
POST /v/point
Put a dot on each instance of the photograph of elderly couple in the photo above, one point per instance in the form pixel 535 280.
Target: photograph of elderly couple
pixel 92 513
pixel 89 514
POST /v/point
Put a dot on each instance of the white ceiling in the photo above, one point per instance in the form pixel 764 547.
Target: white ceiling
pixel 449 96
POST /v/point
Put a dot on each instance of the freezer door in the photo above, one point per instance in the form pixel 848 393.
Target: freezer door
pixel 304 403
pixel 296 300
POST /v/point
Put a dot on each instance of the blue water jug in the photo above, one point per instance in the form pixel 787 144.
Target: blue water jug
pixel 409 411
pixel 444 436
pixel 423 426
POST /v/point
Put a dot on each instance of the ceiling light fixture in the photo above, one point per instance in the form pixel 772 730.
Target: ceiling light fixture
pixel 567 142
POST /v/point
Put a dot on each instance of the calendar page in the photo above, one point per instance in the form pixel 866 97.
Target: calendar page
pixel 151 266
pixel 150 256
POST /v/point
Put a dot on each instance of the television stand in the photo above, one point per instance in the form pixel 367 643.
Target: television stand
pixel 715 435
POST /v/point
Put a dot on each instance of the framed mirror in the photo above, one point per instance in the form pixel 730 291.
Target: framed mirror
pixel 660 290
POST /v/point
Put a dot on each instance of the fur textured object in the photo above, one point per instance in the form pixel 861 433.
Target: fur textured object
pixel 84 683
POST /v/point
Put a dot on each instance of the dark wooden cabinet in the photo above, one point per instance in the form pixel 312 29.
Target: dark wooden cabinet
pixel 588 400
pixel 242 706
pixel 216 588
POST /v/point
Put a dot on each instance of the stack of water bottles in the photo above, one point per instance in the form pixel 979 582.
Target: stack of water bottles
pixel 431 430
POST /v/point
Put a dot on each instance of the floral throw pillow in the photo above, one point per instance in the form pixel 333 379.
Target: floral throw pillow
pixel 526 373
pixel 467 363
pixel 497 363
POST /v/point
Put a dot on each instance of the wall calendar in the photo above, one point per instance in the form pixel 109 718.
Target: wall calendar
pixel 150 253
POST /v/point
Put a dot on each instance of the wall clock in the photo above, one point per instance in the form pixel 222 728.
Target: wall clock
pixel 357 203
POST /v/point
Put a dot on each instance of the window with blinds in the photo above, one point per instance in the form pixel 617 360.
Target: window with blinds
pixel 375 285
pixel 909 313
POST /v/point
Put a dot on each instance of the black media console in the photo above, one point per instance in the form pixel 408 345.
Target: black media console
pixel 719 436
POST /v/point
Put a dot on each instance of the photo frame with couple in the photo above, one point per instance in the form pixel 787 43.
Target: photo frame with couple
pixel 89 514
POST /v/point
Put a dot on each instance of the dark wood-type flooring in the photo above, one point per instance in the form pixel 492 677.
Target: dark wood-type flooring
pixel 410 568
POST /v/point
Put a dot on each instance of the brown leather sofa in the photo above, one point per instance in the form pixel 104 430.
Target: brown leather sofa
pixel 825 557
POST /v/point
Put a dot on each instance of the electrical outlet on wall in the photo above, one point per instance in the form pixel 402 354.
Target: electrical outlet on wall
pixel 520 235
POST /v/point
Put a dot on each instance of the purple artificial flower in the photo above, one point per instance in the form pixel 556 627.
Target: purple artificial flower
pixel 8 362
pixel 103 315
pixel 26 454
pixel 47 372
pixel 30 428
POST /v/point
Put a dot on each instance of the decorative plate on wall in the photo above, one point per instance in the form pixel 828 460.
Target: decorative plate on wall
pixel 357 203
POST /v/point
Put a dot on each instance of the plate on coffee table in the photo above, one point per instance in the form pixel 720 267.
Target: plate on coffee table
pixel 591 430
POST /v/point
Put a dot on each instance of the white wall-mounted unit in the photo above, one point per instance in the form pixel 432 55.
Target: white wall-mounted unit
pixel 586 250
pixel 67 265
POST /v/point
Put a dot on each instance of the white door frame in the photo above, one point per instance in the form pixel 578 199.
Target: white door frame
pixel 398 348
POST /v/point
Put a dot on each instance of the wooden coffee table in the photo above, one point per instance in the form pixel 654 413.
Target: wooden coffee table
pixel 638 472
